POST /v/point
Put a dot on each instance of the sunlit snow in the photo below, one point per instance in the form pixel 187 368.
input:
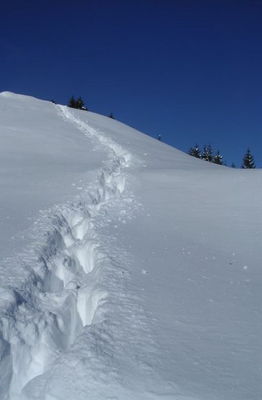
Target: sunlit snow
pixel 129 270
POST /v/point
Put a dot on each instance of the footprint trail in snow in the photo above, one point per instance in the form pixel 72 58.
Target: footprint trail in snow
pixel 64 291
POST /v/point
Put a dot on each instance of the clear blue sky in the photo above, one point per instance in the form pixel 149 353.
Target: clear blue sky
pixel 188 70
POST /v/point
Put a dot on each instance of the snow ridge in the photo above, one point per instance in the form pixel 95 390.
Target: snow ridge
pixel 41 319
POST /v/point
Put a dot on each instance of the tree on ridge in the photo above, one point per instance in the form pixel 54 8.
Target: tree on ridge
pixel 248 160
pixel 195 151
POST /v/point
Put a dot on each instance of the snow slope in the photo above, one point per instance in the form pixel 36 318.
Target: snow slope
pixel 129 270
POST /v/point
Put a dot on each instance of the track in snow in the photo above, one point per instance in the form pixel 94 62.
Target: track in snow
pixel 42 318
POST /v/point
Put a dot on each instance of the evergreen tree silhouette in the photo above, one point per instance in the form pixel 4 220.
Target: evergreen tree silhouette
pixel 207 153
pixel 195 151
pixel 79 103
pixel 72 102
pixel 248 160
pixel 218 159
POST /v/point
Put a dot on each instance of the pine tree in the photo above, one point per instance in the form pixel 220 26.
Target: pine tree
pixel 79 103
pixel 111 115
pixel 233 165
pixel 72 102
pixel 195 151
pixel 207 153
pixel 248 160
pixel 218 159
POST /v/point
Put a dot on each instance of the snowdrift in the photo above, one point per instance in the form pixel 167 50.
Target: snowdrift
pixel 129 270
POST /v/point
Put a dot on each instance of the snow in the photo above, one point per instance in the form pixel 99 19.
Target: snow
pixel 129 270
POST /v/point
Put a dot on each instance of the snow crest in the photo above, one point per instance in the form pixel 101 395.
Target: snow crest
pixel 41 318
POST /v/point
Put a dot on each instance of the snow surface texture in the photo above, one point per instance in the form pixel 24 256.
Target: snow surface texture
pixel 129 271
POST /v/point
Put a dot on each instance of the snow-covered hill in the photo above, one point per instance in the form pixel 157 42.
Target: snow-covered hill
pixel 129 270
